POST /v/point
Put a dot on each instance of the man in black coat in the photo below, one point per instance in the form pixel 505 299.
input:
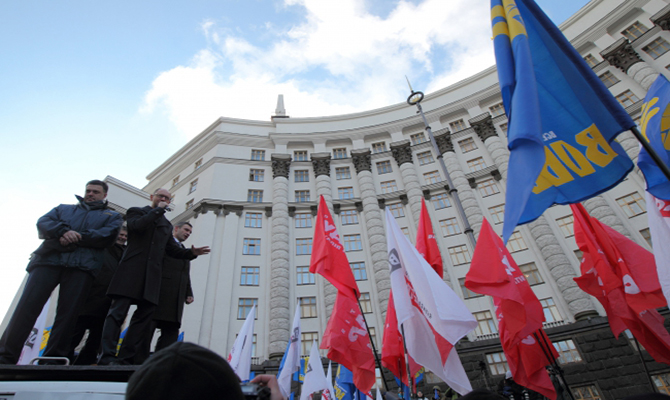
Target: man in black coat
pixel 92 316
pixel 138 277
pixel 76 236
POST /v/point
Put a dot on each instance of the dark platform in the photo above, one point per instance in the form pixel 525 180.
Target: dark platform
pixel 66 373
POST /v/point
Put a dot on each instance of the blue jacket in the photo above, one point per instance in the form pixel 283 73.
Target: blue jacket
pixel 97 224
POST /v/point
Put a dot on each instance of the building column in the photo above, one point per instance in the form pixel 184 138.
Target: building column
pixel 280 301
pixel 402 152
pixel 483 126
pixel 598 208
pixel 321 164
pixel 375 227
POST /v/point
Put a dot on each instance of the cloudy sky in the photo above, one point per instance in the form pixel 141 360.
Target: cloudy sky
pixel 90 89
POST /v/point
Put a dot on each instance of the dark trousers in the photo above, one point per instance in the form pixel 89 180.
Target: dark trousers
pixel 42 280
pixel 89 353
pixel 169 334
pixel 140 324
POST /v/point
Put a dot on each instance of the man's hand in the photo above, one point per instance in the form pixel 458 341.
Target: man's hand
pixel 198 251
pixel 163 204
pixel 189 299
pixel 271 382
pixel 70 237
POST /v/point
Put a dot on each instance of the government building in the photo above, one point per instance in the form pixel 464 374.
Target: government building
pixel 251 189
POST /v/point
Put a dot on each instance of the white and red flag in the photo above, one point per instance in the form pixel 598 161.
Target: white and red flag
pixel 315 377
pixel 239 357
pixel 291 358
pixel 658 212
pixel 431 329
pixel 493 272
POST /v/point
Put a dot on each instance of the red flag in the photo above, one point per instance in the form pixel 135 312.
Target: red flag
pixel 621 275
pixel 348 343
pixel 328 258
pixel 426 243
pixel 493 272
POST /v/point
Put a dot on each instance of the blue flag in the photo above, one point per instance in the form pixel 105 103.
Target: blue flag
pixel 562 118
pixel 344 385
pixel 655 128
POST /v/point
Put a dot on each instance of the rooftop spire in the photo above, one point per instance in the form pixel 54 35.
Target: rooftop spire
pixel 280 111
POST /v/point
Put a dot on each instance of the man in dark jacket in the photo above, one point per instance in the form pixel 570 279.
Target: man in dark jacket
pixel 138 277
pixel 76 236
pixel 92 316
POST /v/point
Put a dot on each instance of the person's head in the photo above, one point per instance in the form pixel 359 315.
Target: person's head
pixel 419 394
pixel 182 231
pixel 96 190
pixel 122 238
pixel 184 371
pixel 160 195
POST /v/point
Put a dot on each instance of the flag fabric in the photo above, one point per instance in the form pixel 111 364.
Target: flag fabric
pixel 33 345
pixel 431 330
pixel 329 393
pixel 328 257
pixel 655 126
pixel 346 338
pixel 562 118
pixel 379 394
pixel 290 363
pixel 520 316
pixel 426 243
pixel 315 377
pixel 239 357
pixel 623 278
pixel 658 213
pixel 344 384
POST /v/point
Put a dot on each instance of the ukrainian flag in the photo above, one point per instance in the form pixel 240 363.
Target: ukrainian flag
pixel 656 130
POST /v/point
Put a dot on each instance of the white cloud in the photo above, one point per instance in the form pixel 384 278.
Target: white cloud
pixel 339 59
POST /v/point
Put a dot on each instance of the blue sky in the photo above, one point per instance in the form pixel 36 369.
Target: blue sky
pixel 90 89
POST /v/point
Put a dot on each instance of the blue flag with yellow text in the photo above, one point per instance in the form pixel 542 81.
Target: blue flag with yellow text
pixel 562 118
pixel 655 128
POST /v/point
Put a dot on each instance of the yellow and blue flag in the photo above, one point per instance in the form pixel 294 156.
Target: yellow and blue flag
pixel 562 118
pixel 655 128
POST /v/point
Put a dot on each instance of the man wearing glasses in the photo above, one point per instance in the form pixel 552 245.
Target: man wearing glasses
pixel 138 277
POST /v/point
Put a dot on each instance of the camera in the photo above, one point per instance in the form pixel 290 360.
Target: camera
pixel 252 391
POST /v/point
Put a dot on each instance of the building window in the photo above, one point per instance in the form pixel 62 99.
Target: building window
pixel 300 155
pixel 467 145
pixel 349 217
pixel 497 109
pixel 254 342
pixel 366 303
pixel 397 210
pixel 476 164
pixel 590 60
pixel 251 247
pixel 567 225
pixel 303 246
pixel 193 187
pixel 303 220
pixel 467 293
pixel 339 153
pixel 358 268
pixel 516 242
pixel 646 234
pixel 632 205
pixel 589 392
pixel 307 338
pixel 503 128
pixel 488 187
pixel 258 155
pixel 418 138
pixel 432 177
pixel 303 276
pixel 189 204
pixel 345 193
pixel 457 125
pixel 551 313
pixel 353 243
pixel 627 98
pixel 256 175
pixel 301 196
pixel 579 254
pixel 378 147
pixel 389 186
pixel 657 48
pixel 175 180
pixel 253 220
pixel 450 227
pixel 459 254
pixel 609 79
pixel 301 175
pixel 384 167
pixel 497 214
pixel 440 201
pixel 255 196
pixel 634 31
pixel 531 273
pixel 342 173
pixel 197 165
pixel 307 307
pixel 373 335
pixel 567 352
pixel 662 382
pixel 425 158
pixel 486 325
pixel 497 363
pixel 250 276
pixel 405 231
pixel 244 307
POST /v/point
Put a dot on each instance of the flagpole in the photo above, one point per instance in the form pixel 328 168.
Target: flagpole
pixel 414 99
pixel 654 156
pixel 554 363
pixel 409 372
pixel 644 365
pixel 374 349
